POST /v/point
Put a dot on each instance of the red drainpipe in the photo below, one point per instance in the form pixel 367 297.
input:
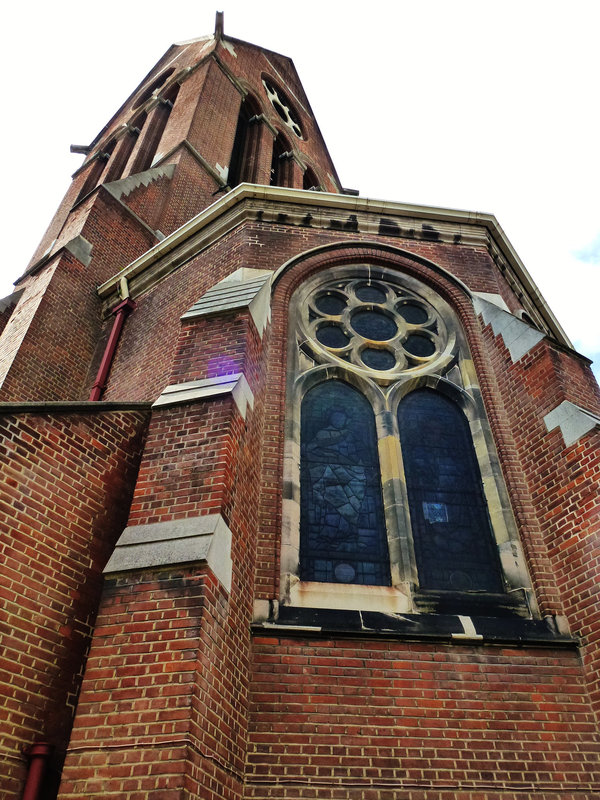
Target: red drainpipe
pixel 39 755
pixel 121 312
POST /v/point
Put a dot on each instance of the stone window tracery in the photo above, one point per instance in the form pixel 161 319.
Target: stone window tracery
pixel 283 107
pixel 387 443
pixel 375 326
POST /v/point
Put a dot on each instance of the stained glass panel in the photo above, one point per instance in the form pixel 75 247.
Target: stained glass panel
pixel 419 345
pixel 342 528
pixel 371 294
pixel 378 359
pixel 332 336
pixel 374 325
pixel 413 313
pixel 451 530
pixel 331 304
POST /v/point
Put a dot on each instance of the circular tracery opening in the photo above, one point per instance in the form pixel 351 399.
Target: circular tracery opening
pixel 375 326
pixel 371 294
pixel 381 360
pixel 418 345
pixel 331 304
pixel 332 336
pixel 413 313
pixel 283 107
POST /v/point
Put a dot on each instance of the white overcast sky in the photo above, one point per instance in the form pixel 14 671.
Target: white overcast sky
pixel 479 105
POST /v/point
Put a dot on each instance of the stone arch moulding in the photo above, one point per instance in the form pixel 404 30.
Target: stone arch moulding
pixel 447 370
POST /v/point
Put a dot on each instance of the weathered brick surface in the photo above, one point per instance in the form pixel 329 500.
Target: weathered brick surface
pixel 142 365
pixel 49 342
pixel 177 700
pixel 563 482
pixel 65 486
pixel 168 672
pixel 151 714
pixel 379 719
pixel 18 322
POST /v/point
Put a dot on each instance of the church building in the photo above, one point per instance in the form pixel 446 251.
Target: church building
pixel 299 490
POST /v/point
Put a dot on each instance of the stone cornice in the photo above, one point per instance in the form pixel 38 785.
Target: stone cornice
pixel 344 213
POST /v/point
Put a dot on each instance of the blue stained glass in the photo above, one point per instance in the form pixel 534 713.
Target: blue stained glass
pixel 378 359
pixel 331 304
pixel 371 294
pixel 419 345
pixel 451 530
pixel 332 336
pixel 413 313
pixel 342 527
pixel 374 325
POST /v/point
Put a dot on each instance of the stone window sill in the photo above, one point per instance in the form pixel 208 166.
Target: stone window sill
pixel 451 628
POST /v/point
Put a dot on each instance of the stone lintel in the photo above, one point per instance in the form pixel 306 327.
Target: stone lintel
pixel 160 544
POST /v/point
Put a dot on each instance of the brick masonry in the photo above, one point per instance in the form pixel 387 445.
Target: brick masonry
pixel 65 486
pixel 182 696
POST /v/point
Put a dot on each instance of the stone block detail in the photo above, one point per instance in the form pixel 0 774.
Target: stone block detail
pixel 573 421
pixel 206 538
pixel 80 249
pixel 207 388
pixel 244 288
pixel 518 336
pixel 125 186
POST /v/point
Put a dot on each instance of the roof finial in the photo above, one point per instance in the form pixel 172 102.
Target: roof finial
pixel 219 25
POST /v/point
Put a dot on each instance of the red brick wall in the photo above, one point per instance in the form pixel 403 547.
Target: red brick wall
pixel 18 323
pixel 186 469
pixel 192 452
pixel 190 192
pixel 148 202
pixel 63 324
pixel 151 717
pixel 143 360
pixel 164 699
pixel 65 486
pixel 381 719
pixel 563 482
pixel 213 127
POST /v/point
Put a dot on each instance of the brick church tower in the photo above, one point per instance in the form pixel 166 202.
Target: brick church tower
pixel 299 489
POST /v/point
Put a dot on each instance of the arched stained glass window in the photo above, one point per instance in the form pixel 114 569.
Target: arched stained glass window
pixel 342 528
pixel 450 526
